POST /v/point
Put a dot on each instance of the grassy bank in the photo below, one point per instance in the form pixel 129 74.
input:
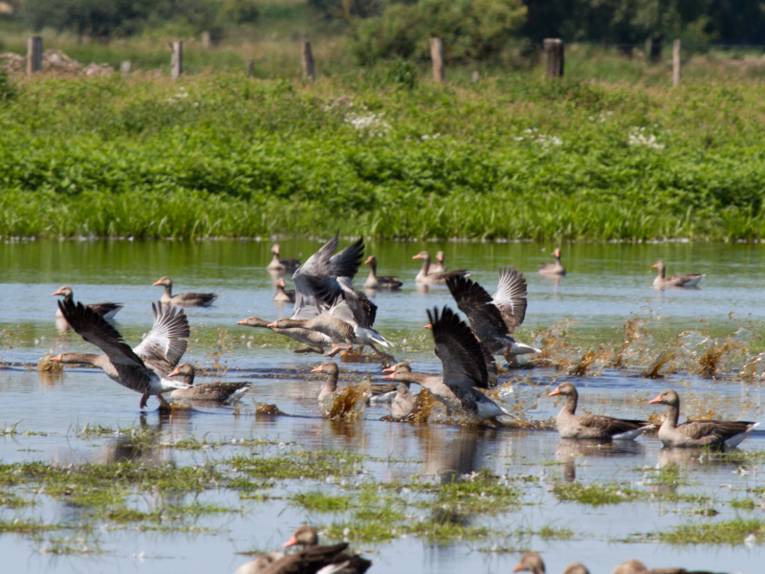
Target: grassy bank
pixel 508 157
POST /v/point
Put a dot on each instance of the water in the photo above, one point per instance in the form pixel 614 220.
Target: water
pixel 606 285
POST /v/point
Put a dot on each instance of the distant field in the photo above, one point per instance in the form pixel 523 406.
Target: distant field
pixel 511 156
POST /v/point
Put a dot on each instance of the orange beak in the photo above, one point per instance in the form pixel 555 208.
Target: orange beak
pixel 174 372
pixel 156 283
pixel 655 401
pixel 291 542
pixel 554 393
pixel 416 257
pixel 316 369
pixel 428 326
pixel 57 292
pixel 56 358
pixel 272 325
pixel 390 377
pixel 519 567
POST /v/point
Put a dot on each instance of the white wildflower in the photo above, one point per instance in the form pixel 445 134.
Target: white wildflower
pixel 368 122
pixel 641 137
pixel 533 135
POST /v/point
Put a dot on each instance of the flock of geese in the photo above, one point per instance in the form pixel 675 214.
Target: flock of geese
pixel 332 317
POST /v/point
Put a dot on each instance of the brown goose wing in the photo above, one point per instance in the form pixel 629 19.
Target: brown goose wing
pixel 89 325
pixel 721 430
pixel 473 300
pixel 167 341
pixel 609 425
pixel 460 352
pixel 105 308
pixel 310 560
pixel 199 299
pixel 510 297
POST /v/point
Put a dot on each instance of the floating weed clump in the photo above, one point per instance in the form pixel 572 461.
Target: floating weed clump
pixel 594 494
pixel 732 532
pixel 19 526
pixel 303 464
pixel 320 502
pixel 480 492
pixel 743 504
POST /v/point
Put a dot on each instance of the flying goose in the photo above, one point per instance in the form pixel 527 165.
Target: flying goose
pixel 494 318
pixel 280 266
pixel 426 276
pixel 106 310
pixel 375 281
pixel 183 299
pixel 594 427
pixel 554 269
pixel 315 342
pixel 463 364
pixel 145 368
pixel 661 281
pixel 698 433
pixel 217 392
pixel 532 562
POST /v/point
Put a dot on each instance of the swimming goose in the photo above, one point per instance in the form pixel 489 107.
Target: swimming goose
pixel 380 282
pixel 283 295
pixel 106 310
pixel 403 402
pixel 183 299
pixel 281 266
pixel 463 364
pixel 594 427
pixel 661 282
pixel 532 562
pixel 311 559
pixel 425 276
pixel 217 392
pixel 698 433
pixel 143 369
pixel 637 567
pixel 494 318
pixel 555 268
pixel 345 403
pixel 316 342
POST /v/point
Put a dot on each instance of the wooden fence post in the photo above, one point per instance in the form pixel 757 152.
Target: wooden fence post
pixel 206 41
pixel 553 48
pixel 676 62
pixel 437 57
pixel 125 67
pixel 309 66
pixel 34 54
pixel 176 59
pixel 251 69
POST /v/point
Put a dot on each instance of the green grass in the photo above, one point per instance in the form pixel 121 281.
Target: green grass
pixel 320 502
pixel 594 494
pixel 305 464
pixel 732 532
pixel 509 157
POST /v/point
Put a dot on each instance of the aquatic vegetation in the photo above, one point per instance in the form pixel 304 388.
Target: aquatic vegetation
pixel 320 502
pixel 594 494
pixel 20 526
pixel 78 545
pixel 743 504
pixel 733 532
pixel 479 492
pixel 316 465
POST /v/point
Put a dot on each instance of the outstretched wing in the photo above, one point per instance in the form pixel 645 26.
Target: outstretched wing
pixel 165 344
pixel 510 297
pixel 473 300
pixel 460 352
pixel 131 370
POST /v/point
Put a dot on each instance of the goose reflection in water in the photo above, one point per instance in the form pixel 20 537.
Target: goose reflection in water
pixel 569 450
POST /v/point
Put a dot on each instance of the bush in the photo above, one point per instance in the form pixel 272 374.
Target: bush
pixel 470 29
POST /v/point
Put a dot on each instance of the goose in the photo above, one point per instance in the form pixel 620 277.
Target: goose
pixel 380 282
pixel 403 402
pixel 698 433
pixel 283 295
pixel 661 281
pixel 106 310
pixel 463 365
pixel 312 558
pixel 183 299
pixel 494 318
pixel 637 567
pixel 315 342
pixel 532 562
pixel 280 266
pixel 438 265
pixel 426 276
pixel 145 368
pixel 339 404
pixel 555 268
pixel 209 392
pixel 593 427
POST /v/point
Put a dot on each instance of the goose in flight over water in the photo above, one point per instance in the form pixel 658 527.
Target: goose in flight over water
pixel 145 368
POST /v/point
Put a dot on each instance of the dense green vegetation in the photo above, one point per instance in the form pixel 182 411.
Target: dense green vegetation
pixel 511 156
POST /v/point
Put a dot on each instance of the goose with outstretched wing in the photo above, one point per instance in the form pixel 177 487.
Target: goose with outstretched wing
pixel 145 368
pixel 494 318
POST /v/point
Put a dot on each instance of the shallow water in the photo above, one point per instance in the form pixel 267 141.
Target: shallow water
pixel 606 285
